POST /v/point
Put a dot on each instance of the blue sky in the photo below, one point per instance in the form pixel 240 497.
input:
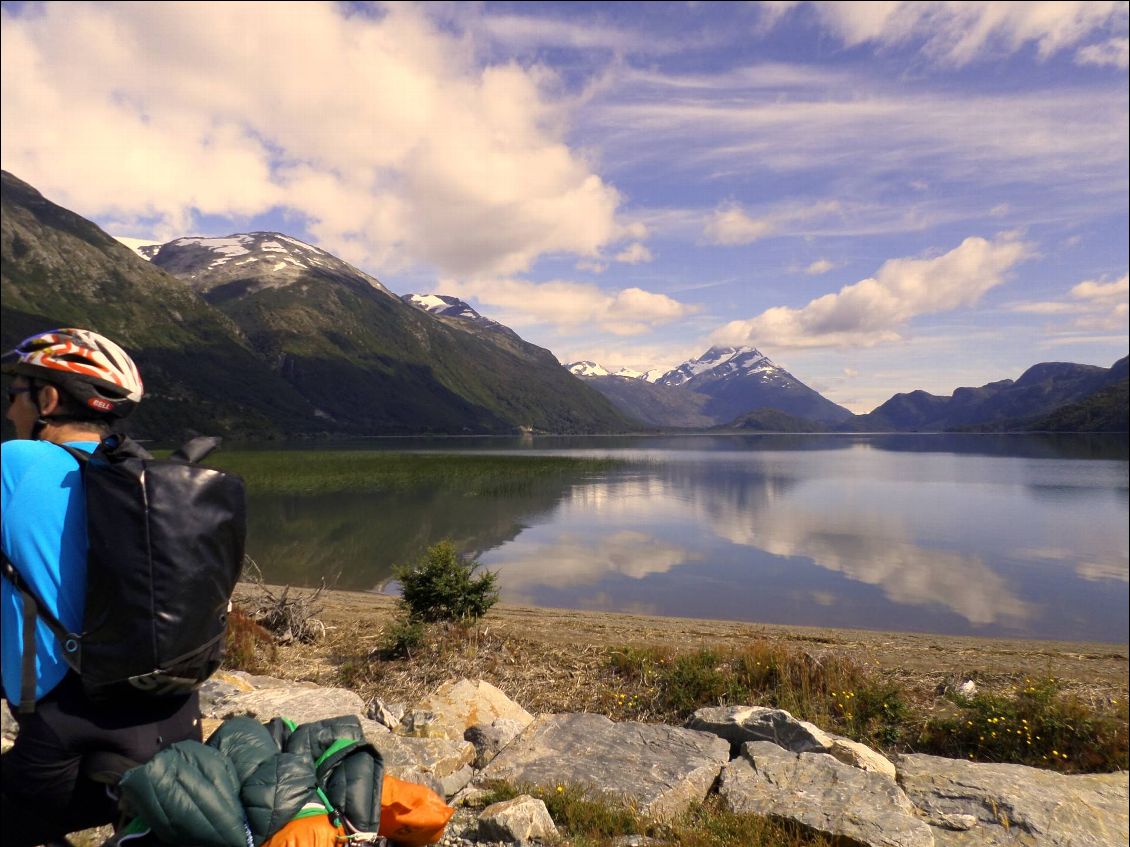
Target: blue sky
pixel 879 196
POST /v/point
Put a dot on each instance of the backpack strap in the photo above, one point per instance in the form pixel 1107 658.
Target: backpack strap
pixel 80 456
pixel 33 609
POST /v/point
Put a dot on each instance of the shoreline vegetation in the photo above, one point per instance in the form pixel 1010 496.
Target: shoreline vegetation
pixel 301 472
pixel 303 469
pixel 1050 704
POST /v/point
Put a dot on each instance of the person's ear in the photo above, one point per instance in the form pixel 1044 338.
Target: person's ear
pixel 48 399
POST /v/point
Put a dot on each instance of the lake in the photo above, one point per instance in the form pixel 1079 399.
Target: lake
pixel 1018 536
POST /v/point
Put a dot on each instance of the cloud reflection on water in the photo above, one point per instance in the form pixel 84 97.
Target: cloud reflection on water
pixel 571 559
pixel 750 510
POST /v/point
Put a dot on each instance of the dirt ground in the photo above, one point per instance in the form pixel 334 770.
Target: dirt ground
pixel 543 649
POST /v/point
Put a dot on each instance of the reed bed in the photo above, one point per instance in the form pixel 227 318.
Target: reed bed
pixel 355 471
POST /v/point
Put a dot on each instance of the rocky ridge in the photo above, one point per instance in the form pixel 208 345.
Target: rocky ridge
pixel 468 734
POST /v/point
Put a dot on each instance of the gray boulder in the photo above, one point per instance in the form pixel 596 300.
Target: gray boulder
pixel 456 705
pixel 861 756
pixel 301 702
pixel 660 769
pixel 519 821
pixel 970 803
pixel 739 724
pixel 823 794
pixel 421 723
pixel 490 739
pixel 439 763
pixel 386 714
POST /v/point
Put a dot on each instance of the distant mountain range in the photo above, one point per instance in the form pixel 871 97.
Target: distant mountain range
pixel 739 388
pixel 721 385
pixel 259 335
pixel 1023 404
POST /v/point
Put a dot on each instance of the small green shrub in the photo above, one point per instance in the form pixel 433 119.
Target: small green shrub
pixel 442 587
pixel 709 824
pixel 405 636
pixel 1032 725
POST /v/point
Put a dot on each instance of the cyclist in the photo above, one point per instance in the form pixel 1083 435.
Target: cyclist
pixel 68 386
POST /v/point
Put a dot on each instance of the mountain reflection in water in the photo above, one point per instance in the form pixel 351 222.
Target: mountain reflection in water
pixel 989 535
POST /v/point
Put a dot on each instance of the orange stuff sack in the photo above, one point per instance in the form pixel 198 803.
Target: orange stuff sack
pixel 310 831
pixel 412 815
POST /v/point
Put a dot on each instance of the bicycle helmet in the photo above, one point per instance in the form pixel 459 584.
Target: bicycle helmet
pixel 89 367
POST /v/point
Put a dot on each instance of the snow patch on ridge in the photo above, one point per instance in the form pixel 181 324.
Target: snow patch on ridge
pixel 143 247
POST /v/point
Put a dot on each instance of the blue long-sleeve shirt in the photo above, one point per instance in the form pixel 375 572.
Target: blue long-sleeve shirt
pixel 43 532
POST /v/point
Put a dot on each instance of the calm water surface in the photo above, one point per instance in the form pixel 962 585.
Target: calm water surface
pixel 1020 536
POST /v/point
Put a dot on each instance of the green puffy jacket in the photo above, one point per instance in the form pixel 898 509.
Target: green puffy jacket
pixel 250 779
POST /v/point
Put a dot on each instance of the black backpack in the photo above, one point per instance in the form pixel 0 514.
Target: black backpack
pixel 166 549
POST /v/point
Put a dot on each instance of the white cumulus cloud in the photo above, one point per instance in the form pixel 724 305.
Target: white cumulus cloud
pixel 820 266
pixel 729 224
pixel 1103 293
pixel 569 305
pixel 1091 305
pixel 634 254
pixel 874 310
pixel 380 129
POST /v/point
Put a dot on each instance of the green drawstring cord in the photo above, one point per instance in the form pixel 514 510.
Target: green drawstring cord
pixel 335 816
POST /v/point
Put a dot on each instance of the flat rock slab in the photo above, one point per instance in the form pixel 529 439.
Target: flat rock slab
pixel 301 705
pixel 822 793
pixel 1014 804
pixel 660 769
pixel 490 739
pixel 739 724
pixel 861 756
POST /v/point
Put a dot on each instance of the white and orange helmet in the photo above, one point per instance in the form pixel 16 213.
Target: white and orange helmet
pixel 87 366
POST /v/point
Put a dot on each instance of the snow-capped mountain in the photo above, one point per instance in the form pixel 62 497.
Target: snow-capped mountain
pixel 742 379
pixel 587 368
pixel 444 305
pixel 724 383
pixel 628 373
pixel 724 362
pixel 144 248
pixel 271 259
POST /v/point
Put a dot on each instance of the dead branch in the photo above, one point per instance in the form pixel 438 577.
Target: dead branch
pixel 288 618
